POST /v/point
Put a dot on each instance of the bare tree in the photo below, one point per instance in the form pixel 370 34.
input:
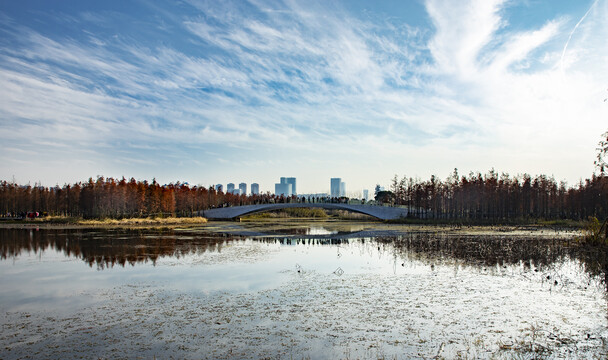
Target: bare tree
pixel 602 154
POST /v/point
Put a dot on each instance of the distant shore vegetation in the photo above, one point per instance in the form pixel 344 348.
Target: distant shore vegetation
pixel 492 198
pixel 498 197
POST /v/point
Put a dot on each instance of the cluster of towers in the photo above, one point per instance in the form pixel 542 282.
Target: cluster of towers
pixel 287 187
pixel 241 190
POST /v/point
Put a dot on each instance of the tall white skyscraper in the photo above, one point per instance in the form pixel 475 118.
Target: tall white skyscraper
pixel 342 188
pixel 229 188
pixel 335 187
pixel 243 188
pixel 255 189
pixel 366 194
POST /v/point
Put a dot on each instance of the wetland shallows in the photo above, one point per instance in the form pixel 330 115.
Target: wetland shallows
pixel 255 290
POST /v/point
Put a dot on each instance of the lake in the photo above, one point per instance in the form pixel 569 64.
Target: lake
pixel 300 290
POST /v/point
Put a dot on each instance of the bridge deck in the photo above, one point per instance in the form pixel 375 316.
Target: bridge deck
pixel 380 212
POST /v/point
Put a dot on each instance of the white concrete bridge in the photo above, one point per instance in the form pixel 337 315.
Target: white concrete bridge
pixel 233 212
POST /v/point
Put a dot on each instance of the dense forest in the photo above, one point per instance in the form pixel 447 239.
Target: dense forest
pixel 115 198
pixel 499 197
pixel 493 196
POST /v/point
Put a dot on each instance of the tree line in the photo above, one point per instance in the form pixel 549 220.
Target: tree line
pixel 473 197
pixel 115 198
pixel 499 197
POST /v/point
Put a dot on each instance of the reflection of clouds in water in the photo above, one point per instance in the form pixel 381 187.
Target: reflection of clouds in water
pixel 321 315
pixel 234 251
pixel 319 230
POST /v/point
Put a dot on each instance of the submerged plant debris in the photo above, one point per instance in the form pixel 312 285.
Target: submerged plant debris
pixel 182 294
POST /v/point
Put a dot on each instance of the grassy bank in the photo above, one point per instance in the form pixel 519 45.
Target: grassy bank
pixel 313 213
pixel 562 223
pixel 126 222
pixel 146 221
pixel 309 213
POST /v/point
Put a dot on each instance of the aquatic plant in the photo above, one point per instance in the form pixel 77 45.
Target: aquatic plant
pixel 595 232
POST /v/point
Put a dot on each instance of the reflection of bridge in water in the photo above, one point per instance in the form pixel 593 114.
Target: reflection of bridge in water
pixel 233 212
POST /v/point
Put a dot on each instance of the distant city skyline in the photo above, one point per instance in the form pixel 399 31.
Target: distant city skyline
pixel 341 188
pixel 208 91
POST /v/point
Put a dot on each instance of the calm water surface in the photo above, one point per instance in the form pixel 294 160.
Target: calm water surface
pixel 309 292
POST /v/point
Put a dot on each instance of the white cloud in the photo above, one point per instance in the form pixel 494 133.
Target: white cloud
pixel 535 116
pixel 463 29
pixel 519 46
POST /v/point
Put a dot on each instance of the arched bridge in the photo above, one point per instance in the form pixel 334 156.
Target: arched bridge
pixel 232 212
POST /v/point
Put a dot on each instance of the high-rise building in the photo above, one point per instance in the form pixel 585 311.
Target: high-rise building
pixel 287 186
pixel 255 189
pixel 282 189
pixel 243 188
pixel 219 188
pixel 365 194
pixel 229 188
pixel 342 188
pixel 292 181
pixel 335 187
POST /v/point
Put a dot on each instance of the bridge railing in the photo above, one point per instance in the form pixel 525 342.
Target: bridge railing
pixel 318 200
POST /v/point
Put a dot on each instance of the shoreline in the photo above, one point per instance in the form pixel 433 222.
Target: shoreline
pixel 76 223
pixel 273 225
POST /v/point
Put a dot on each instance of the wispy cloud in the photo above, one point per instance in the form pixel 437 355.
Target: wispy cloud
pixel 284 79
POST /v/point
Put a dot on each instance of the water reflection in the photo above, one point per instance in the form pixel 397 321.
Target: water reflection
pixel 107 248
pixel 534 254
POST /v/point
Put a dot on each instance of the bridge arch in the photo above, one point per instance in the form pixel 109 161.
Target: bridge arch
pixel 232 212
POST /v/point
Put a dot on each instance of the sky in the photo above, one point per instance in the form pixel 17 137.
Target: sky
pixel 211 92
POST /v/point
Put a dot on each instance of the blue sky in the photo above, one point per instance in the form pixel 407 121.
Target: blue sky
pixel 217 91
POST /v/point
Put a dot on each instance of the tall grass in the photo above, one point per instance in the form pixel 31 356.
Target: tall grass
pixel 289 213
pixel 146 221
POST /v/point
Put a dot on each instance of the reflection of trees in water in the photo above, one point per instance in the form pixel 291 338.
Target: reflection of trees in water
pixel 480 250
pixel 483 250
pixel 106 248
pixel 306 241
pixel 595 259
